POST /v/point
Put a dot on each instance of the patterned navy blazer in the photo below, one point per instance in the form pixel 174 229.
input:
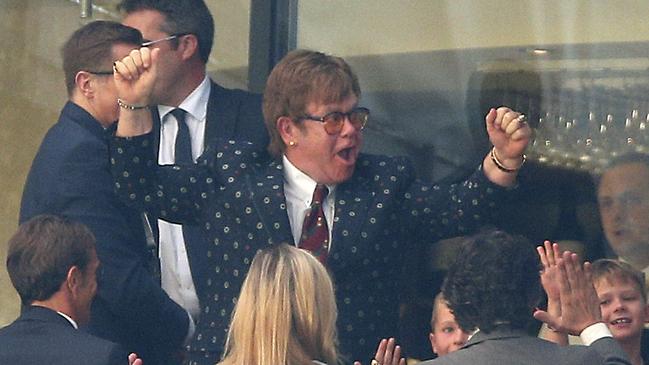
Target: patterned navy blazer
pixel 238 199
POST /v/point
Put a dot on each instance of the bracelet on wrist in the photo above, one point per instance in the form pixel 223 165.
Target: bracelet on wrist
pixel 502 167
pixel 124 105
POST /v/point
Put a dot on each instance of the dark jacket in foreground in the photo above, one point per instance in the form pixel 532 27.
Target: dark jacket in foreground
pixel 513 347
pixel 40 336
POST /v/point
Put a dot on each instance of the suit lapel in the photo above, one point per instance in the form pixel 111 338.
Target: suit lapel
pixel 156 128
pixel 266 189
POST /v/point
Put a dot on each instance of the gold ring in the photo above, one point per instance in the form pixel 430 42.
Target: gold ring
pixel 375 362
pixel 521 119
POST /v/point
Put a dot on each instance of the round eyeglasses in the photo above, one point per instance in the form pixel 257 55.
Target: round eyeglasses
pixel 333 122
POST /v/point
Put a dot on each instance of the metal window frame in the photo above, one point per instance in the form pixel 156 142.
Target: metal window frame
pixel 273 33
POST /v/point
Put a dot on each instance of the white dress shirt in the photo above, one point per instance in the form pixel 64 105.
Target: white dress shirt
pixel 298 189
pixel 176 276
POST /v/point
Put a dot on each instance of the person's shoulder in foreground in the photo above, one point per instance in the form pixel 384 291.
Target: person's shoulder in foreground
pixel 52 263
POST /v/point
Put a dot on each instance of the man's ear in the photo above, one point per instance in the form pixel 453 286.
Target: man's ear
pixel 646 313
pixel 431 338
pixel 188 46
pixel 287 129
pixel 84 85
pixel 74 279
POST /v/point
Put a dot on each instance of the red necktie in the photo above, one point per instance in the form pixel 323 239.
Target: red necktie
pixel 315 232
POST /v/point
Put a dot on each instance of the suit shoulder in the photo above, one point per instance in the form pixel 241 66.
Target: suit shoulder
pixel 70 139
pixel 240 95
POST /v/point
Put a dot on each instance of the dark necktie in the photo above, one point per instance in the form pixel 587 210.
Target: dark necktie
pixel 315 232
pixel 183 146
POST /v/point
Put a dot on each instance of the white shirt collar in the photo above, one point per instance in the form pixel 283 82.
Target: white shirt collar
pixel 195 103
pixel 72 322
pixel 300 184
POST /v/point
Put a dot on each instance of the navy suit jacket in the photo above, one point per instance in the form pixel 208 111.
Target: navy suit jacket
pixel 41 336
pixel 231 114
pixel 70 176
pixel 238 199
pixel 512 347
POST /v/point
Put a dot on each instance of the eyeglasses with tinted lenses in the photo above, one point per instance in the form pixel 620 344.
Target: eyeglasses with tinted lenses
pixel 333 122
pixel 171 37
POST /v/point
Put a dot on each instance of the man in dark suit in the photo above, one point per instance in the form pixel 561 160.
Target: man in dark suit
pixel 494 287
pixel 183 31
pixel 70 176
pixel 52 264
pixel 374 205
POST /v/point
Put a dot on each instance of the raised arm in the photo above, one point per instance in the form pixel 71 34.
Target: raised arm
pixel 550 255
pixel 509 134
pixel 135 75
pixel 387 353
pixel 579 302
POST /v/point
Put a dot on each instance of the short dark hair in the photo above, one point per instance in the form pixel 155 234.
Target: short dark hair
pixel 42 252
pixel 494 280
pixel 304 76
pixel 90 48
pixel 181 16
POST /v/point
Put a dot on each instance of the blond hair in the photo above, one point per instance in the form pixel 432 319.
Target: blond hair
pixel 611 270
pixel 437 302
pixel 286 312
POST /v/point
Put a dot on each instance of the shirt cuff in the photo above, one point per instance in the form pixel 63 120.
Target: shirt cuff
pixel 594 332
pixel 190 330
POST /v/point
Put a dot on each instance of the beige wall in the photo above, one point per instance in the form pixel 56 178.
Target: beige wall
pixel 366 27
pixel 31 93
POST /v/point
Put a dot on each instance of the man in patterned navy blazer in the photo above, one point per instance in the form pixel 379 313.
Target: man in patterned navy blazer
pixel 244 202
pixel 52 263
pixel 70 176
pixel 183 31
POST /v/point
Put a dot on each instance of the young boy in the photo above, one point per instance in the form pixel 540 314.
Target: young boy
pixel 446 335
pixel 623 301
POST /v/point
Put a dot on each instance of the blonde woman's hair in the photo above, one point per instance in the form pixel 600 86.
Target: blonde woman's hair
pixel 285 314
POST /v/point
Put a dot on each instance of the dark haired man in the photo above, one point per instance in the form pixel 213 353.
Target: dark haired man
pixel 52 263
pixel 493 289
pixel 70 176
pixel 183 31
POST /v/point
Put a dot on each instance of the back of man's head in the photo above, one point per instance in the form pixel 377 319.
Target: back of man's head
pixel 494 281
pixel 90 48
pixel 42 252
pixel 181 17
